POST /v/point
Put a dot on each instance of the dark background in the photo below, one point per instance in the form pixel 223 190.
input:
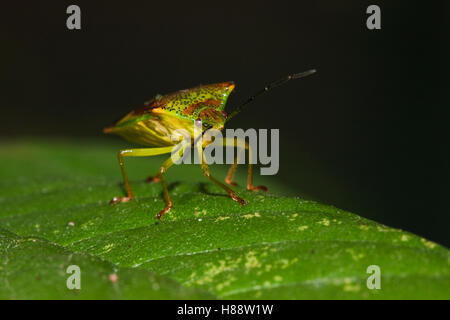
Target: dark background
pixel 367 133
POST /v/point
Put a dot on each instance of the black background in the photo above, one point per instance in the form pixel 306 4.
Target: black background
pixel 367 133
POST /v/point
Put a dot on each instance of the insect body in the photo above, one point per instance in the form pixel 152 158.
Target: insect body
pixel 154 124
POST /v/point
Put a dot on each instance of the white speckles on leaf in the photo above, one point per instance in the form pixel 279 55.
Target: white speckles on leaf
pixel 221 218
pixel 88 224
pixel 325 222
pixel 251 261
pixel 285 263
pixel 250 215
pixel 386 229
pixel 355 255
pixel 352 287
pixel 199 213
pixel 213 270
pixel 427 243
pixel 404 237
pixel 226 283
pixel 108 247
pixel 278 278
pixel 364 227
pixel 261 198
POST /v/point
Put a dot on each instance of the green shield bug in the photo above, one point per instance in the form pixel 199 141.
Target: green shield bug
pixel 153 125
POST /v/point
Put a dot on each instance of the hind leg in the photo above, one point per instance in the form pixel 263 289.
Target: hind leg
pixel 232 170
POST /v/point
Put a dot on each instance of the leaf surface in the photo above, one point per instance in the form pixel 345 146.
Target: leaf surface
pixel 55 211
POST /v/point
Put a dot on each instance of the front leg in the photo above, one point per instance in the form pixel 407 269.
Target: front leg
pixel 230 192
pixel 162 170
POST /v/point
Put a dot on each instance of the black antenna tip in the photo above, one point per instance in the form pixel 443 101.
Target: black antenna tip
pixel 303 74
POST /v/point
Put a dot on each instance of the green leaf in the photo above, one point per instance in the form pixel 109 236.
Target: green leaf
pixel 34 268
pixel 55 212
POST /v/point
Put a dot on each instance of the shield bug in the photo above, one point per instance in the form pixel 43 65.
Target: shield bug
pixel 154 123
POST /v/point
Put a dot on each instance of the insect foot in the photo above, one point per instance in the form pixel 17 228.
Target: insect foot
pixel 257 188
pixel 163 211
pixel 238 199
pixel 154 179
pixel 120 199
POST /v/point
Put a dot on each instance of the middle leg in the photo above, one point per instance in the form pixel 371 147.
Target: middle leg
pixel 160 176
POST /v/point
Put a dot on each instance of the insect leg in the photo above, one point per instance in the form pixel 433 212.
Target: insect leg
pixel 230 175
pixel 153 179
pixel 231 193
pixel 232 170
pixel 139 152
pixel 160 176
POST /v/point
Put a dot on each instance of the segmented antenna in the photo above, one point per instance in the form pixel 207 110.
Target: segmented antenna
pixel 269 87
